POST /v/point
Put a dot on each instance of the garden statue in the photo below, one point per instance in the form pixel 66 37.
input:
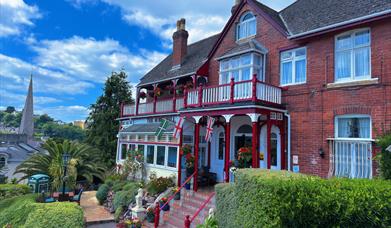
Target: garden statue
pixel 211 213
pixel 138 211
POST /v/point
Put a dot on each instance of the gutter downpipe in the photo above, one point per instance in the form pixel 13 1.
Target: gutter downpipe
pixel 288 116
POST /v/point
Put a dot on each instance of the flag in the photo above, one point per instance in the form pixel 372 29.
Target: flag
pixel 178 127
pixel 162 128
pixel 209 128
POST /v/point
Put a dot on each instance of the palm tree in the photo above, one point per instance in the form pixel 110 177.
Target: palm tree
pixel 83 163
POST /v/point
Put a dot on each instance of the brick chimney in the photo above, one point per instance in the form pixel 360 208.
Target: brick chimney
pixel 237 2
pixel 180 43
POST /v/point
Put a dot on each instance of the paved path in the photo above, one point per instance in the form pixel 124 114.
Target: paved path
pixel 93 212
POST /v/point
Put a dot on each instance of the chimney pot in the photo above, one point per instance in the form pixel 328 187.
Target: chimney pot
pixel 180 42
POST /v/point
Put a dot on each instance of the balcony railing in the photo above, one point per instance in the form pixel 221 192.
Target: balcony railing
pixel 160 106
pixel 350 158
pixel 249 90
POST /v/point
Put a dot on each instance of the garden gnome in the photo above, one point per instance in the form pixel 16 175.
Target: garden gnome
pixel 138 211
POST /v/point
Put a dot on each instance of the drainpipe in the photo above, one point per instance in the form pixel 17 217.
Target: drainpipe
pixel 288 116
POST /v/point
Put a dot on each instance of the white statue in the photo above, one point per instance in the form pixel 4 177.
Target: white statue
pixel 211 213
pixel 138 211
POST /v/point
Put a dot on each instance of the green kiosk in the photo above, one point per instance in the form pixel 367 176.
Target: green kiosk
pixel 39 183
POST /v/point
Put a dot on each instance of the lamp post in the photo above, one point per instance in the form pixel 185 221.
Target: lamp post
pixel 65 159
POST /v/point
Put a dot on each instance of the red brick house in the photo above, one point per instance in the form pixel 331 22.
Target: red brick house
pixel 307 88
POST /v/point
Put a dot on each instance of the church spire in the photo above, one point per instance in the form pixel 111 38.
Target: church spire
pixel 27 123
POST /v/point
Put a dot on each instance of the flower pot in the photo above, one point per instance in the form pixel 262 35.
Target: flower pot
pixel 189 171
pixel 166 207
pixel 187 186
pixel 177 196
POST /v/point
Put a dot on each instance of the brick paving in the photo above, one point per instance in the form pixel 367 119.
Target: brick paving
pixel 93 212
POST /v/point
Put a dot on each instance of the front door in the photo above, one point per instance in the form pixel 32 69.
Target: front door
pixel 217 154
pixel 275 148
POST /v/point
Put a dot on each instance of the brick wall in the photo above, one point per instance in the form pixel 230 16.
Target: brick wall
pixel 312 105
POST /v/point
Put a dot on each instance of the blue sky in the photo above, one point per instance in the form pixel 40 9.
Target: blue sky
pixel 71 46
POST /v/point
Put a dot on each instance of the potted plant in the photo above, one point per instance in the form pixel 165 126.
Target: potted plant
pixel 162 202
pixel 244 157
pixel 190 159
pixel 142 95
pixel 179 89
pixel 177 196
pixel 158 92
pixel 150 215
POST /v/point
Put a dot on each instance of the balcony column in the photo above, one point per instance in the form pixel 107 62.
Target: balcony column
pixel 137 99
pixel 232 92
pixel 185 98
pixel 268 143
pixel 180 159
pixel 282 135
pixel 174 95
pixel 154 98
pixel 194 77
pixel 254 88
pixel 255 139
pixel 227 146
pixel 200 95
pixel 196 150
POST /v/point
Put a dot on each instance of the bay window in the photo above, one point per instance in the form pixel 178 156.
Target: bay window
pixel 241 68
pixel 150 154
pixel 161 155
pixel 353 56
pixel 352 147
pixel 172 157
pixel 293 66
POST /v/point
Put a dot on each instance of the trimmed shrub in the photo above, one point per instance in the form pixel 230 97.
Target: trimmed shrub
pixel 15 210
pixel 118 213
pixel 283 199
pixel 384 156
pixel 101 194
pixel 54 215
pixel 118 186
pixel 124 198
pixel 130 186
pixel 11 190
pixel 158 185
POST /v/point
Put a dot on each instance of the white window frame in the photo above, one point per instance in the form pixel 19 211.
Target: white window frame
pixel 293 59
pixel 349 116
pixel 253 67
pixel 352 77
pixel 155 165
pixel 246 25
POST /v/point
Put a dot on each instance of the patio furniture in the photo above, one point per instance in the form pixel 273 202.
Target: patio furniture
pixel 77 197
pixel 58 196
pixel 50 200
pixel 206 178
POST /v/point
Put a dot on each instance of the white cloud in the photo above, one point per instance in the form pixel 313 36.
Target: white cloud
pixel 65 113
pixel 15 15
pixel 92 60
pixel 203 17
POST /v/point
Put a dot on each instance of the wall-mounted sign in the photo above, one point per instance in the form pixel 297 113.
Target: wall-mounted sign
pixel 296 169
pixel 295 159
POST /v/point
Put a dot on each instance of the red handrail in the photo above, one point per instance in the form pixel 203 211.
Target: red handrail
pixel 179 189
pixel 187 221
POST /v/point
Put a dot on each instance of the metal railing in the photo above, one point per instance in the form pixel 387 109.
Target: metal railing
pixel 188 221
pixel 350 158
pixel 159 208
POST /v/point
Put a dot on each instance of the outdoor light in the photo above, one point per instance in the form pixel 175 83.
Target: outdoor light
pixel 321 152
pixel 65 159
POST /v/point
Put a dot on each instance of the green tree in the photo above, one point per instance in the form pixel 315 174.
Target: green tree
pixel 12 119
pixel 10 109
pixel 61 132
pixel 84 163
pixel 102 124
pixel 41 120
pixel 384 157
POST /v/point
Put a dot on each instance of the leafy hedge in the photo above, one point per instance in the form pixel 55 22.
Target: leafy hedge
pixel 11 190
pixel 125 197
pixel 384 156
pixel 23 211
pixel 282 199
pixel 54 215
pixel 15 210
pixel 101 194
